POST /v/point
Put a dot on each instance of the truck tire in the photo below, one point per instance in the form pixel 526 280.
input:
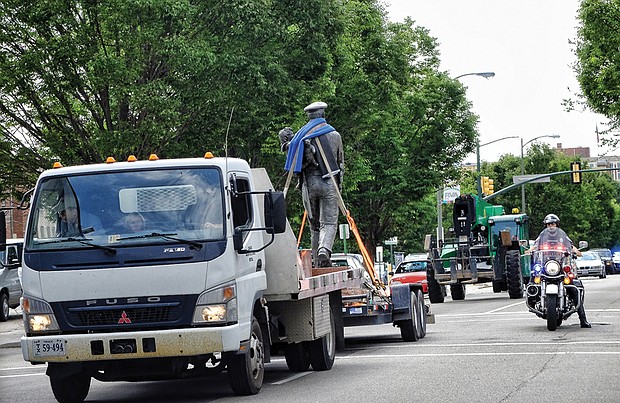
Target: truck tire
pixel 457 291
pixel 435 292
pixel 410 328
pixel 513 274
pixel 552 312
pixel 70 389
pixel 246 371
pixel 296 356
pixel 4 308
pixel 322 352
pixel 421 314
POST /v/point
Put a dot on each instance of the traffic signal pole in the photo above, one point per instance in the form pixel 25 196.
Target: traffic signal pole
pixel 571 172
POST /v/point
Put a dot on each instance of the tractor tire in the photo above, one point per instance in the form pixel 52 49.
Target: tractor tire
pixel 514 279
pixel 457 291
pixel 435 292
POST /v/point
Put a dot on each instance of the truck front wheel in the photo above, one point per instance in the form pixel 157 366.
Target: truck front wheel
pixel 70 389
pixel 322 352
pixel 246 371
pixel 421 311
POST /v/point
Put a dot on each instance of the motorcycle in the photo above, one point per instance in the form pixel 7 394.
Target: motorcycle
pixel 554 292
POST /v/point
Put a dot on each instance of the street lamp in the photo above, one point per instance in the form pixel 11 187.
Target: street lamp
pixel 478 159
pixel 487 74
pixel 553 136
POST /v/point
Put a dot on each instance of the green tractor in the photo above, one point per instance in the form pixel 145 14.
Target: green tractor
pixel 485 247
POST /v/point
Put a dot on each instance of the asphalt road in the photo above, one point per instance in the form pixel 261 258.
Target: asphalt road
pixel 487 348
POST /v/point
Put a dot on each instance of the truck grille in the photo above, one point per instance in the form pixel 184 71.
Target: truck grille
pixel 130 316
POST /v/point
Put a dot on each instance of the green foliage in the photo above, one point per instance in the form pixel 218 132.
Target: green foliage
pixel 81 80
pixel 598 59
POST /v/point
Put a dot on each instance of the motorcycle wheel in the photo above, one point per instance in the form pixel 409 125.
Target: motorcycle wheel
pixel 552 312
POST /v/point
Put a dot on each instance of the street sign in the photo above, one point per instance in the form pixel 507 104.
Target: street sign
pixel 392 241
pixel 450 194
pixel 343 230
pixel 522 178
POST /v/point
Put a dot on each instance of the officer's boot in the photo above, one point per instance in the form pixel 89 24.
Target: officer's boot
pixel 582 317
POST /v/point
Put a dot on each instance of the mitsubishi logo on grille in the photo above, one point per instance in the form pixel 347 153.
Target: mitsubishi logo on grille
pixel 124 319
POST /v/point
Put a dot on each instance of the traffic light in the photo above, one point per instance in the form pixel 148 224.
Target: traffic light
pixel 487 185
pixel 575 176
pixel 484 180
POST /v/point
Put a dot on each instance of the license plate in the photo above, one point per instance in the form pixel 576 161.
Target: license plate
pixel 49 347
pixel 355 311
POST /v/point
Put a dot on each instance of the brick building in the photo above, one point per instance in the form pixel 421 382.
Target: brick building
pixel 15 219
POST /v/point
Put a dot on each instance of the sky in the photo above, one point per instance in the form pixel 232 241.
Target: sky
pixel 526 43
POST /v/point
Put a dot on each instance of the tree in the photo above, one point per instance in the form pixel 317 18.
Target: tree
pixel 81 80
pixel 598 60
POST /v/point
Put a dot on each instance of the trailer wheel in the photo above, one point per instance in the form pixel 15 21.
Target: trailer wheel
pixel 246 371
pixel 513 274
pixel 435 292
pixel 70 389
pixel 421 311
pixel 296 356
pixel 322 352
pixel 409 329
pixel 457 291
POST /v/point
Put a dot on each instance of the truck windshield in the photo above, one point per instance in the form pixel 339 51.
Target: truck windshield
pixel 503 226
pixel 118 209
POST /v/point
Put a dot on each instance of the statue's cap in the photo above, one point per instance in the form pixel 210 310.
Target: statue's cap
pixel 315 106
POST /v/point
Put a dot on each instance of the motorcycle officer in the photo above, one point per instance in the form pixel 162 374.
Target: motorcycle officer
pixel 554 232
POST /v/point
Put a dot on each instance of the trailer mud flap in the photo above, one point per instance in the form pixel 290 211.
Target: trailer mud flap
pixel 401 300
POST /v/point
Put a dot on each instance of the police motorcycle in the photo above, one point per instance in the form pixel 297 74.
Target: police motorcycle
pixel 553 278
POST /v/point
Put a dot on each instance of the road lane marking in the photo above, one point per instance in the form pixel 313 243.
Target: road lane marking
pixel 18 376
pixel 495 313
pixel 501 344
pixel 292 378
pixel 427 355
pixel 504 307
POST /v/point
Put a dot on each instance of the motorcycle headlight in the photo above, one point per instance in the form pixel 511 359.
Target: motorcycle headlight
pixel 552 268
pixel 38 316
pixel 216 306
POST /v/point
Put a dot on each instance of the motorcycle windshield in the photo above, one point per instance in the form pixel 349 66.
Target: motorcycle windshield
pixel 551 250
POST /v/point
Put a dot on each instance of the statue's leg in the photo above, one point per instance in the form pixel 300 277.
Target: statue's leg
pixel 311 204
pixel 328 223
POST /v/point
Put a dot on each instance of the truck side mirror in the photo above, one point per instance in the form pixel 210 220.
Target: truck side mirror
pixel 275 212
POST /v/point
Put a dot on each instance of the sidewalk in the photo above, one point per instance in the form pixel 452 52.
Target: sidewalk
pixel 12 330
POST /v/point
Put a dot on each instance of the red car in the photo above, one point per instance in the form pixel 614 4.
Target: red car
pixel 412 270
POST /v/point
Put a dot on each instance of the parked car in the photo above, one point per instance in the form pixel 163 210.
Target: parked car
pixel 607 258
pixel 616 260
pixel 590 264
pixel 10 284
pixel 412 270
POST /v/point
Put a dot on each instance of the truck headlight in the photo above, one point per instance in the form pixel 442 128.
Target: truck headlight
pixel 216 306
pixel 38 316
